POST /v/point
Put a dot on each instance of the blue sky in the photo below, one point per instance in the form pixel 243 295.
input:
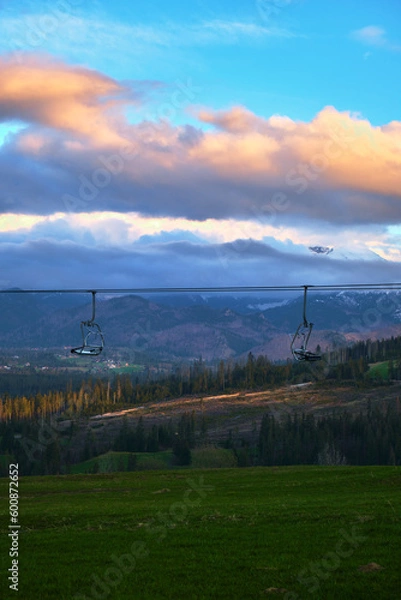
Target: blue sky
pixel 271 121
pixel 281 57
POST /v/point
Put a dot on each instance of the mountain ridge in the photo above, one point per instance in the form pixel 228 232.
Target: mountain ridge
pixel 209 326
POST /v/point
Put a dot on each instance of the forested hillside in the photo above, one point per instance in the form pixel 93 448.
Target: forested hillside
pixel 49 432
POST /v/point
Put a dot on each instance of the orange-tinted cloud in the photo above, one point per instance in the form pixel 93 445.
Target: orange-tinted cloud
pixel 335 168
pixel 78 100
pixel 336 149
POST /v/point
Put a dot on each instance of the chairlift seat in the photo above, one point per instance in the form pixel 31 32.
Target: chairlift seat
pixel 92 340
pixel 87 350
pixel 307 355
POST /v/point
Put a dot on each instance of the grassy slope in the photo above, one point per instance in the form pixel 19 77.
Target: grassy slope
pixel 118 461
pixel 379 369
pixel 253 529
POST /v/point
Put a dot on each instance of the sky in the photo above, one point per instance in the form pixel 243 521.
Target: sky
pixel 209 143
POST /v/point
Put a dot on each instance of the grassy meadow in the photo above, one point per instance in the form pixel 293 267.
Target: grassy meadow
pixel 230 533
pixel 379 370
pixel 207 457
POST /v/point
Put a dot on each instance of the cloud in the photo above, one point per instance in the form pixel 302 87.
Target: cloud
pixel 108 250
pixel 239 119
pixel 164 237
pixel 50 230
pixel 48 93
pixel 243 262
pixel 371 35
pixel 236 120
pixel 230 31
pixel 126 231
pixel 336 162
pixel 75 33
pixel 78 153
pixel 374 36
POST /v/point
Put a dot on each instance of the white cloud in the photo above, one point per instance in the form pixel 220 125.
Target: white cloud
pixel 89 35
pixel 371 35
pixel 133 231
pixel 73 264
pixel 374 36
pixel 331 181
pixel 232 30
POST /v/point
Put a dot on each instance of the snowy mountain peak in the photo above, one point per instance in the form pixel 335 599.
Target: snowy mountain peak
pixel 321 249
pixel 341 253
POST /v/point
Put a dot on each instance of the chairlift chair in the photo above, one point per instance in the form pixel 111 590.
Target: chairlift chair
pixel 301 337
pixel 92 336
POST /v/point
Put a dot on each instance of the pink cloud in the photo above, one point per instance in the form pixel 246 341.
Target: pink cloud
pixel 76 100
pixel 236 120
pixel 337 167
pixel 335 149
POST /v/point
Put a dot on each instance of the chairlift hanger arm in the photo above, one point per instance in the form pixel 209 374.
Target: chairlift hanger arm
pixel 93 306
pixel 303 333
pixel 304 310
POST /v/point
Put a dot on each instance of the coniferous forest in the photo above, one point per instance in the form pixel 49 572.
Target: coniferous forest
pixel 50 432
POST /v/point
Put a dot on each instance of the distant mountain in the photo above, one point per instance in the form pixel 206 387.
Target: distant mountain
pixel 150 329
pixel 345 310
pixel 342 253
pixel 184 327
pixel 243 303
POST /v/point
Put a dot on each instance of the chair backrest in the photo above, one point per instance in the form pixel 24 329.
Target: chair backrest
pixel 302 353
pixel 92 340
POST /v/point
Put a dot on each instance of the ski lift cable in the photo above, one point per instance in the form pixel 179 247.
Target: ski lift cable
pixel 222 289
pixel 92 336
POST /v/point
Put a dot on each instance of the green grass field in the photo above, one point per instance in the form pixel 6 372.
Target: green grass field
pixel 115 461
pixel 197 534
pixel 129 369
pixel 378 370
